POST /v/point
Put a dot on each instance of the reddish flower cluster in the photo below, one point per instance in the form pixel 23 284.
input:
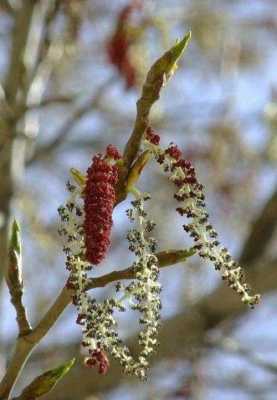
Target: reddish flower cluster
pixel 174 152
pixel 98 358
pixel 190 175
pixel 112 152
pixel 151 136
pixel 99 199
pixel 119 44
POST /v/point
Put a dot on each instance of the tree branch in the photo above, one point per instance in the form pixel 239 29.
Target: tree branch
pixel 12 85
pixel 6 6
pixel 67 126
pixel 14 78
pixel 262 231
pixel 156 78
pixel 49 101
pixel 25 344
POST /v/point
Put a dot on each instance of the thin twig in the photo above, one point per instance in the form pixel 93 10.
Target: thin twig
pixel 67 126
pixel 49 101
pixel 156 78
pixel 46 42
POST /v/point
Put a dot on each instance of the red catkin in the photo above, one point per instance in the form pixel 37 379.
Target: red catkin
pixel 152 136
pixel 98 358
pixel 174 152
pixel 99 199
pixel 119 44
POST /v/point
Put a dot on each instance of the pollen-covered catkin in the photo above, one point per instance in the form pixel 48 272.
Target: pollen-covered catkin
pixel 190 196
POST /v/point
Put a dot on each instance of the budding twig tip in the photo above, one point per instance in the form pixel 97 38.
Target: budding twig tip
pixel 15 242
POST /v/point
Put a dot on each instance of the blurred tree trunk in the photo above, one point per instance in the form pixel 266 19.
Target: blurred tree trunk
pixel 9 115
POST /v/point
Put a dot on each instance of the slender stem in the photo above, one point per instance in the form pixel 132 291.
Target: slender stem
pixel 21 354
pixel 70 122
